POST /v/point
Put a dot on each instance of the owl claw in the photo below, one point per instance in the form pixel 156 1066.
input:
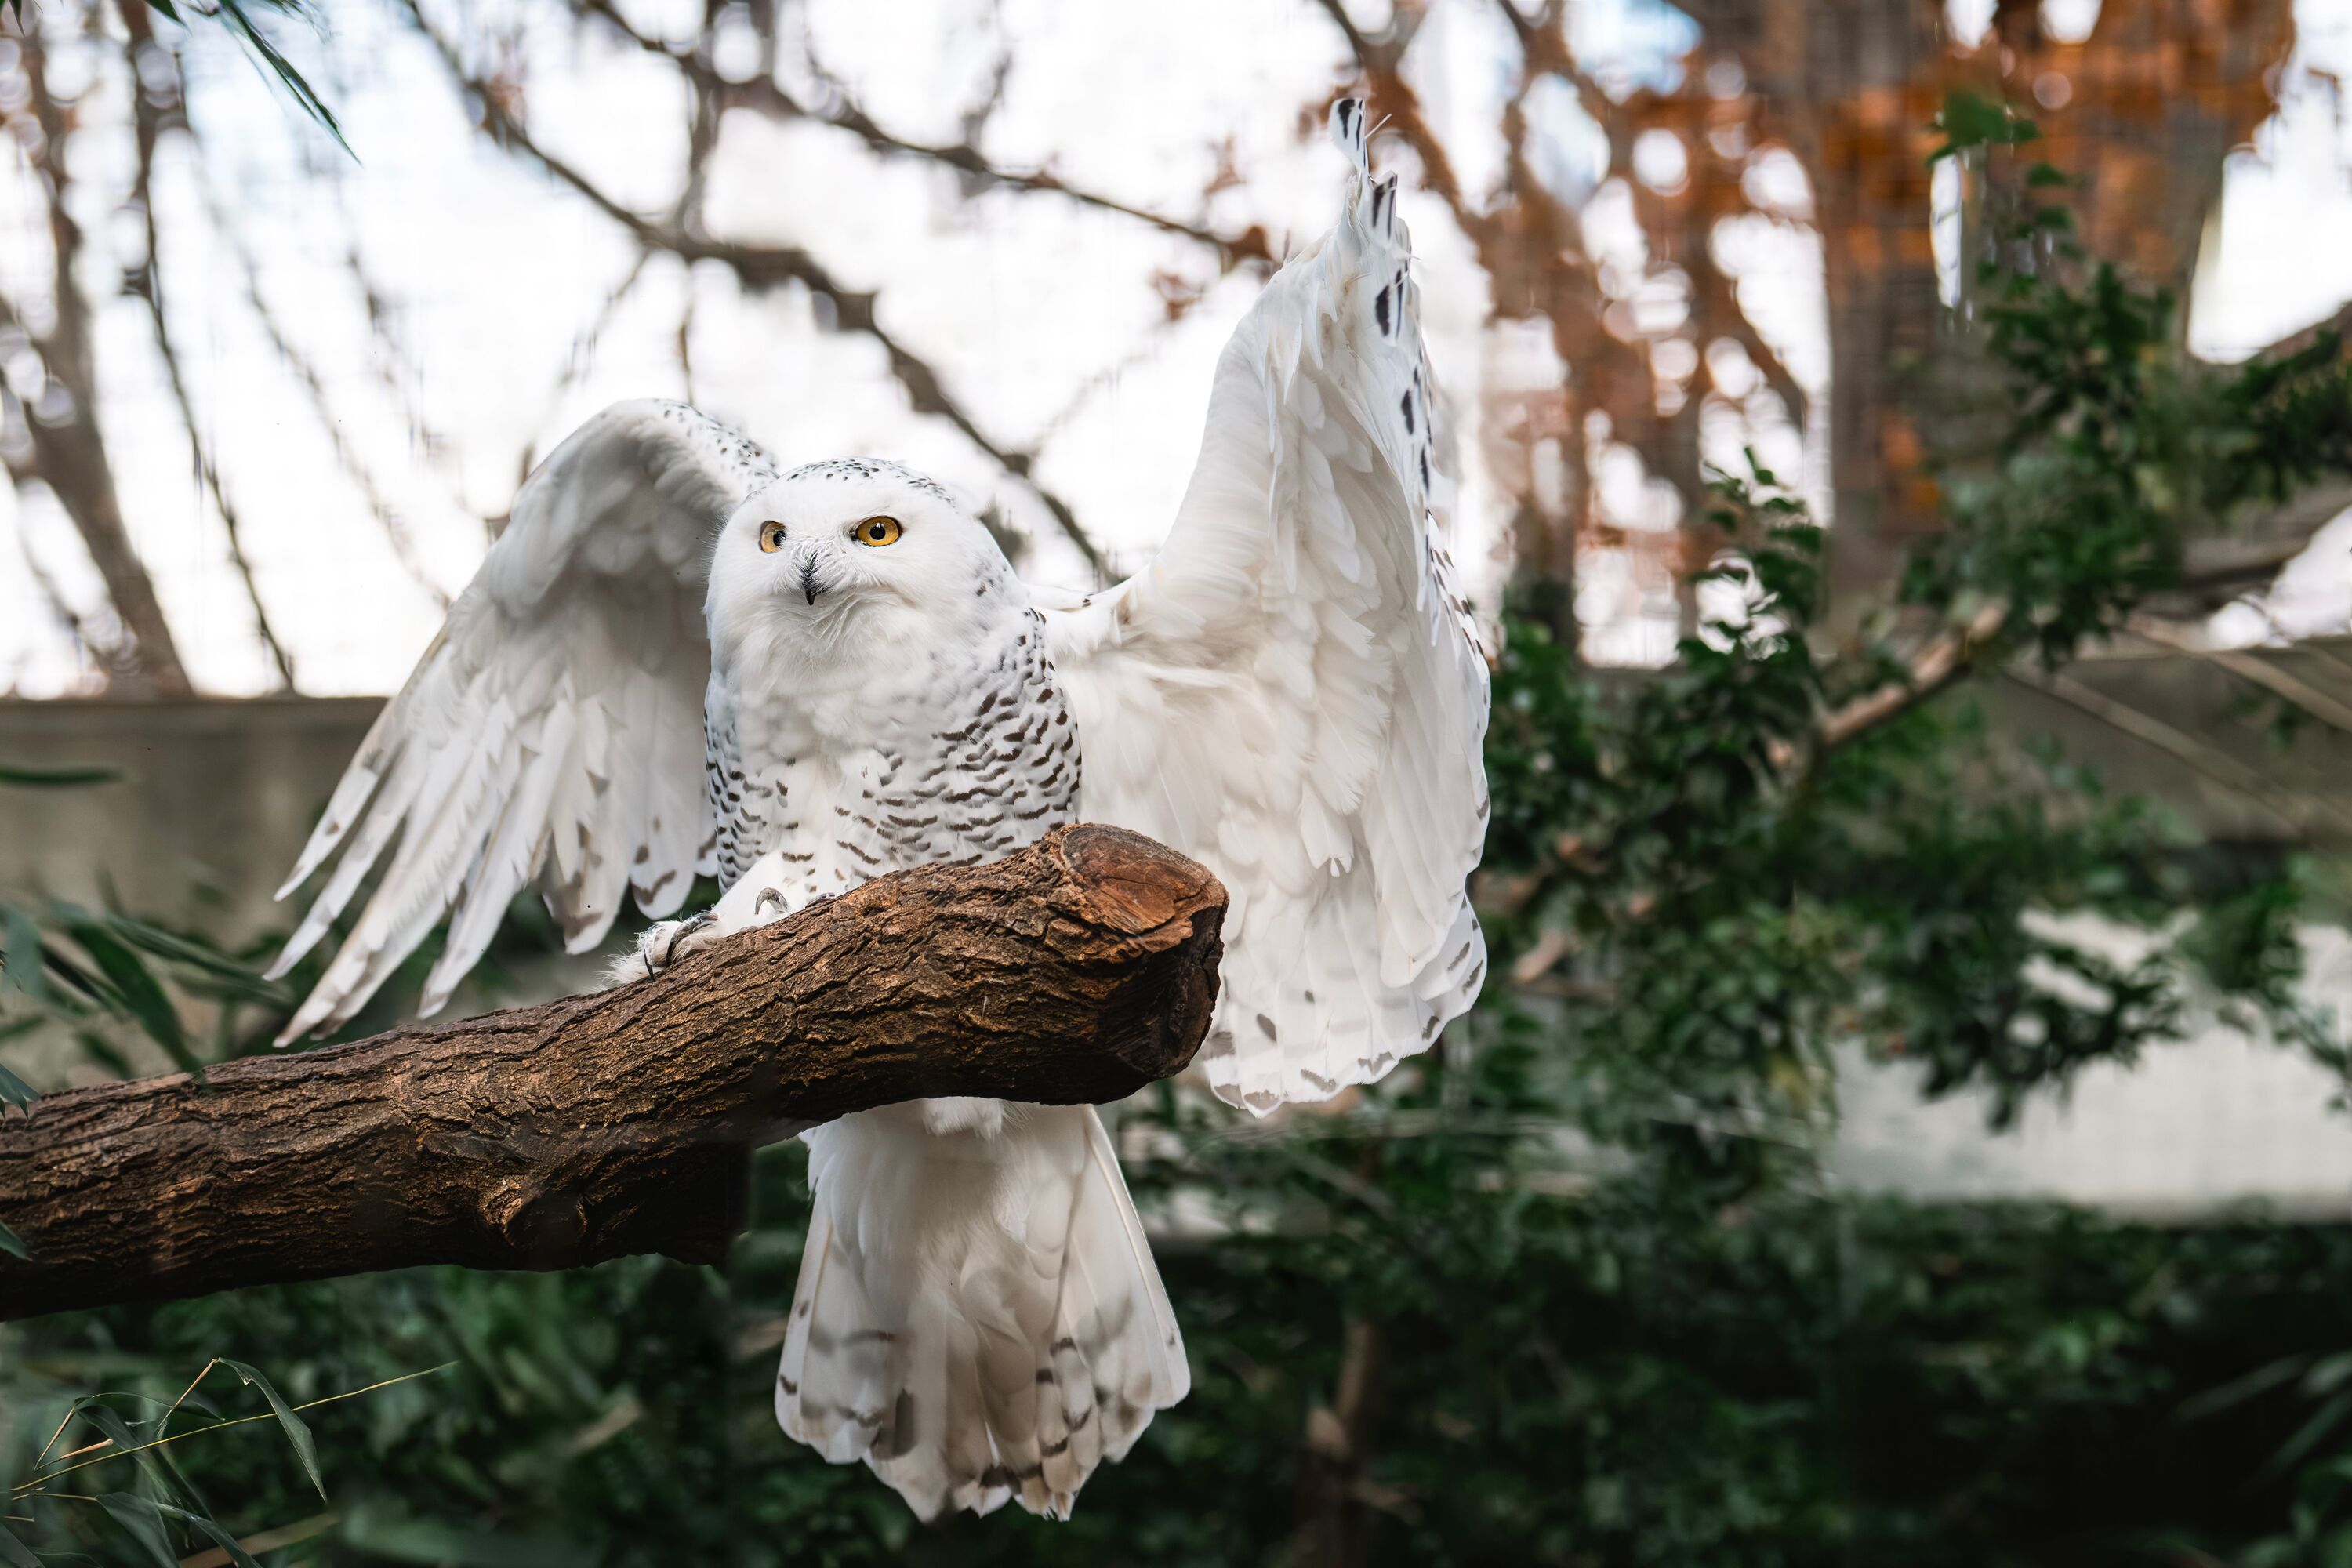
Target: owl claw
pixel 664 942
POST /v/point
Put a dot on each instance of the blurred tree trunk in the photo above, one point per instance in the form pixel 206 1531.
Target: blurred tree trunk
pixel 2143 113
pixel 64 447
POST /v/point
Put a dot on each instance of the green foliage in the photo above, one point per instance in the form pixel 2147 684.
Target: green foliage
pixel 1969 120
pixel 143 1525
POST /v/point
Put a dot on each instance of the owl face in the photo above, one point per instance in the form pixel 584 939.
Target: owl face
pixel 836 557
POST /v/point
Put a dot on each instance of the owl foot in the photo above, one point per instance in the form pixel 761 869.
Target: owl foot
pixel 664 942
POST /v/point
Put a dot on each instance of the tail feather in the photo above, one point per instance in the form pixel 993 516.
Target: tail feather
pixel 978 1317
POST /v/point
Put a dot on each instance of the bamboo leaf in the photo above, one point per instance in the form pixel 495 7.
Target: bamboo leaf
pixel 15 1090
pixel 298 1433
pixel 140 993
pixel 104 1052
pixel 20 777
pixel 156 943
pixel 234 13
pixel 12 1244
pixel 20 954
pixel 220 1537
pixel 142 1520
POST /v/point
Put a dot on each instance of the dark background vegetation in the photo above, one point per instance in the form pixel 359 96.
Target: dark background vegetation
pixel 1573 1288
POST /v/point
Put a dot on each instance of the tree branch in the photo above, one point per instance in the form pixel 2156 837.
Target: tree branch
pixel 1944 660
pixel 623 1121
pixel 2299 813
pixel 763 96
pixel 760 268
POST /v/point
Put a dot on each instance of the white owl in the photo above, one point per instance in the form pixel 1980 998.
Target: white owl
pixel 1291 693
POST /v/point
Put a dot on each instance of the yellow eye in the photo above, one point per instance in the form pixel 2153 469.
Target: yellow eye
pixel 878 531
pixel 771 537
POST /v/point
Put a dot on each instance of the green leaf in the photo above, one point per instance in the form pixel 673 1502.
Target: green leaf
pixel 234 13
pixel 161 1474
pixel 1970 121
pixel 103 1051
pixel 15 1090
pixel 138 992
pixel 13 1552
pixel 234 973
pixel 12 1244
pixel 164 8
pixel 20 954
pixel 22 777
pixel 296 1432
pixel 141 1520
pixel 211 1527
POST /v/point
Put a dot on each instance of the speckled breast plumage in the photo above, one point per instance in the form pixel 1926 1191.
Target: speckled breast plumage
pixel 974 757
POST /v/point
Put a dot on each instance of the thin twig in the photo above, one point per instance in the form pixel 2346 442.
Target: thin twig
pixel 2250 667
pixel 164 1419
pixel 306 374
pixel 2292 809
pixel 148 114
pixel 21 1488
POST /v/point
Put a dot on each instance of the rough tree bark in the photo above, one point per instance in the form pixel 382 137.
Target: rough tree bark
pixel 623 1121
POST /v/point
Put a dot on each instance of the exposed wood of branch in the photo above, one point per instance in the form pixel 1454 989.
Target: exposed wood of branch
pixel 761 266
pixel 1076 971
pixel 1945 658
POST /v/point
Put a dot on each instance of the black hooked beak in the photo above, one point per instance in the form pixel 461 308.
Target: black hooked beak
pixel 808 579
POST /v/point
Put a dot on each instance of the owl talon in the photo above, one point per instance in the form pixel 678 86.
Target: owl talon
pixel 664 942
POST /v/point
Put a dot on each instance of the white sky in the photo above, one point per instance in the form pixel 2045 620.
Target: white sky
pixel 1042 315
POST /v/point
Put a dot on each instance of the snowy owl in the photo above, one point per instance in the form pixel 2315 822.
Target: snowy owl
pixel 1291 693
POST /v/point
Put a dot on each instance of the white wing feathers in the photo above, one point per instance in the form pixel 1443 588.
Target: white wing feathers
pixel 1293 692
pixel 553 729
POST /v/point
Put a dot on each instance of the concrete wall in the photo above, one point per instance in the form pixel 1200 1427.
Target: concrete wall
pixel 2219 1121
pixel 216 800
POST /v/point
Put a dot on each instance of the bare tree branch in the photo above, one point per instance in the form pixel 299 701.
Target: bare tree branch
pixel 150 106
pixel 763 267
pixel 761 95
pixel 307 376
pixel 2249 667
pixel 1943 661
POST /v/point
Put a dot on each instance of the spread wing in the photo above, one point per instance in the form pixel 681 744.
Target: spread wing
pixel 1292 692
pixel 553 729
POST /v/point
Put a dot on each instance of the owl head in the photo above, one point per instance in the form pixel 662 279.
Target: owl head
pixel 839 557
